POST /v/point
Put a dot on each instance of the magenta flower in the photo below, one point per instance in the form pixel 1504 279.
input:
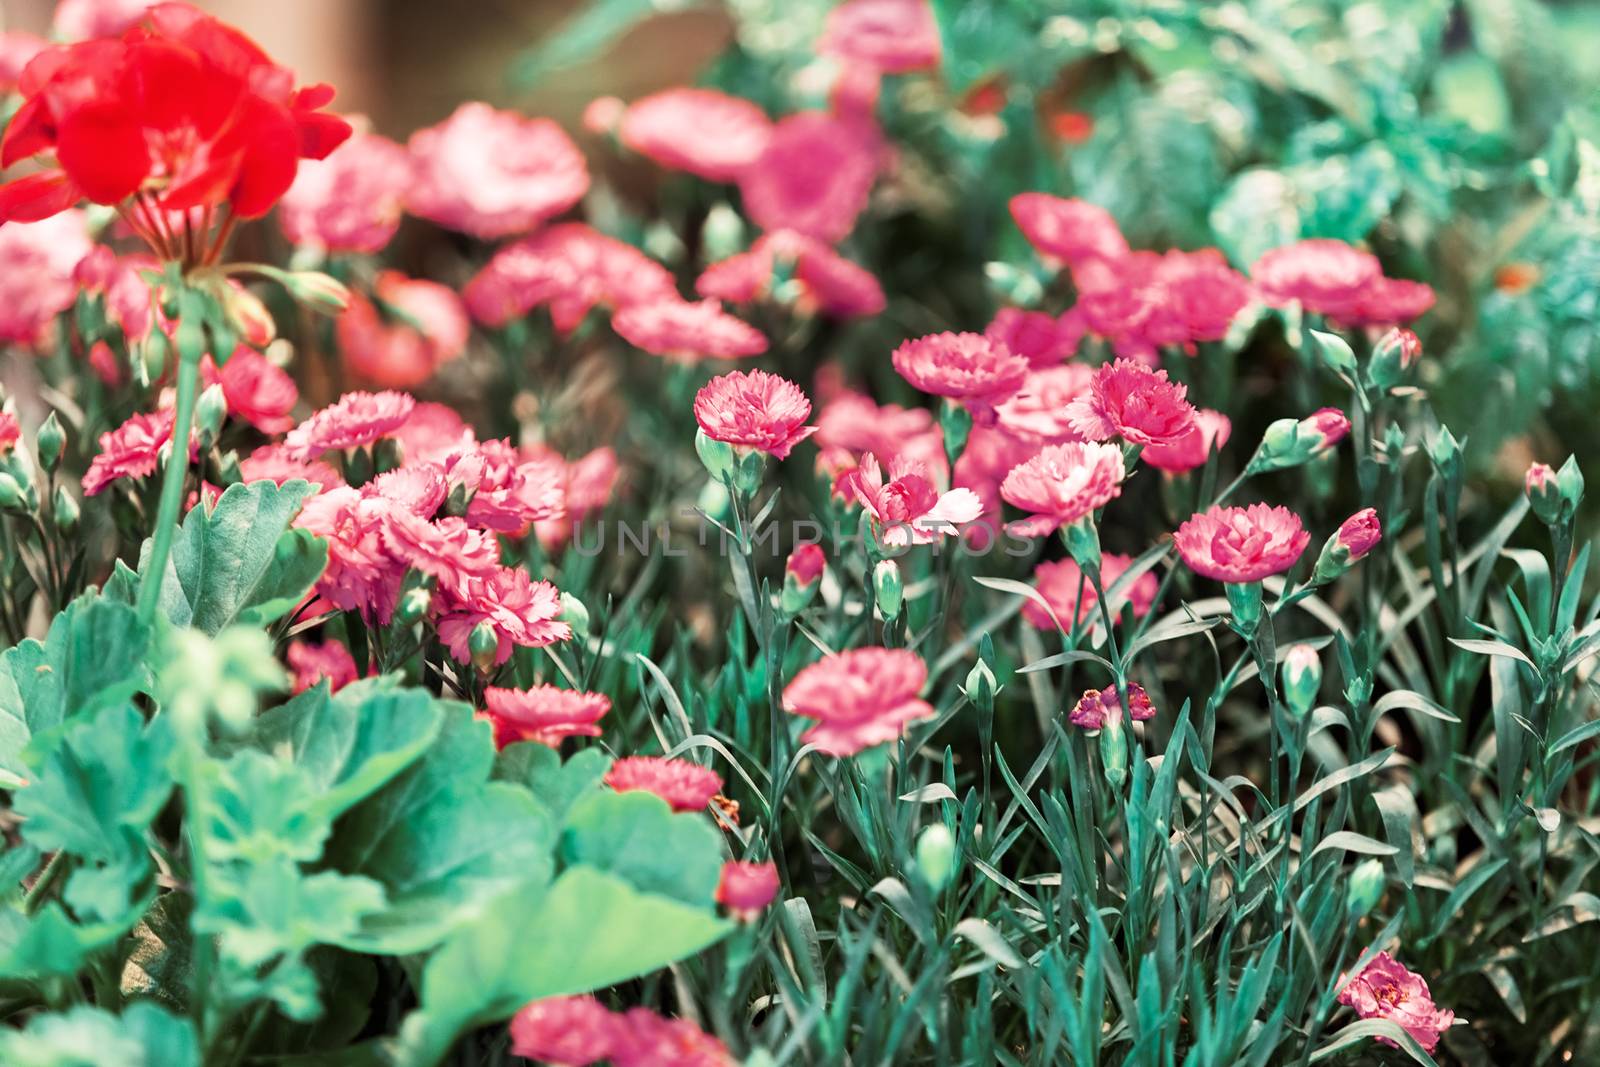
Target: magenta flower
pixel 37 261
pixel 506 492
pixel 683 785
pixel 907 510
pixel 1040 338
pixel 1061 485
pixel 1038 410
pixel 891 36
pixel 1385 989
pixel 543 714
pixel 860 698
pixel 1326 276
pixel 962 366
pixel 361 574
pixel 686 331
pixel 851 424
pixel 1100 706
pixel 445 549
pixel 805 564
pixel 1069 231
pixel 355 419
pixel 827 283
pixel 565 1031
pixel 747 888
pixel 10 432
pixel 645 1039
pixel 132 450
pixel 1359 533
pixel 814 176
pixel 1330 424
pixel 423 325
pixel 1211 431
pixel 1071 595
pixel 701 131
pixel 754 410
pixel 310 663
pixel 1240 545
pixel 1131 401
pixel 1199 297
pixel 569 268
pixel 1391 301
pixel 492 173
pixel 520 610
pixel 350 201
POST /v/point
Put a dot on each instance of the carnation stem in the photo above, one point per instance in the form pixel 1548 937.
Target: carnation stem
pixel 171 491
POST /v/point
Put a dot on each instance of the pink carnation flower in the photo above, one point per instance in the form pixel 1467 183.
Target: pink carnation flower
pixel 990 455
pixel 1134 402
pixel 754 410
pixel 814 176
pixel 1391 301
pixel 506 492
pixel 702 131
pixel 907 510
pixel 1359 534
pixel 492 173
pixel 1240 545
pixel 745 889
pixel 805 564
pixel 1062 484
pixel 1385 989
pixel 420 488
pixel 1071 595
pixel 1038 411
pixel 132 450
pixel 860 698
pixel 1198 297
pixel 1036 336
pixel 361 575
pixel 828 283
pixel 569 268
pixel 1211 430
pixel 445 549
pixel 355 419
pixel 1326 276
pixel 120 282
pixel 565 1031
pixel 36 273
pixel 645 1039
pixel 271 463
pixel 398 339
pixel 1098 707
pixel 963 366
pixel 521 611
pixel 255 389
pixel 892 36
pixel 310 663
pixel 1067 231
pixel 1328 425
pixel 683 785
pixel 432 432
pixel 350 201
pixel 543 713
pixel 686 331
pixel 851 424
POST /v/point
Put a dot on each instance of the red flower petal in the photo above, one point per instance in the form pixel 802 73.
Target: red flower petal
pixel 37 196
pixel 104 151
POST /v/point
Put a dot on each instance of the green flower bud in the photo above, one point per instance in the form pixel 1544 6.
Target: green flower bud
pixel 801 575
pixel 385 454
pixel 747 474
pixel 209 411
pixel 1292 442
pixel 1569 481
pixel 52 441
pixel 1367 883
pixel 717 456
pixel 1244 600
pixel 13 500
pixel 574 614
pixel 980 686
pixel 955 422
pixel 1393 357
pixel 414 604
pixel 1083 543
pixel 1543 493
pixel 64 512
pixel 484 644
pixel 1113 751
pixel 890 590
pixel 1335 352
pixel 1301 671
pixel 317 291
pixel 936 855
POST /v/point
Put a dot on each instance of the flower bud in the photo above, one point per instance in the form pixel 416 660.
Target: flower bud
pixel 1540 485
pixel 1366 887
pixel 1350 543
pixel 1114 752
pixel 484 644
pixel 1291 442
pixel 64 512
pixel 936 855
pixel 317 291
pixel 955 423
pixel 414 604
pixel 1083 544
pixel 890 591
pixel 250 316
pixel 1569 482
pixel 52 441
pixel 386 455
pixel 1336 353
pixel 1444 451
pixel 717 456
pixel 574 613
pixel 800 577
pixel 209 412
pixel 1302 678
pixel 750 467
pixel 1393 357
pixel 12 498
pixel 980 686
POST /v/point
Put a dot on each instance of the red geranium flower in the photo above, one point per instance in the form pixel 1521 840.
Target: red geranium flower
pixel 182 113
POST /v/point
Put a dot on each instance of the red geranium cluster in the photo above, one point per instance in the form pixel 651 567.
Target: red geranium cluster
pixel 180 115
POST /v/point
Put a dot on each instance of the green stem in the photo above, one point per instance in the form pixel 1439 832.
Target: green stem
pixel 171 490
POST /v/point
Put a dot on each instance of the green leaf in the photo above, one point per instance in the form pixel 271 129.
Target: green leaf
pixel 1372 1028
pixel 635 836
pixel 442 839
pixel 144 1036
pixel 555 785
pixel 351 744
pixel 48 943
pixel 92 657
pixel 240 562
